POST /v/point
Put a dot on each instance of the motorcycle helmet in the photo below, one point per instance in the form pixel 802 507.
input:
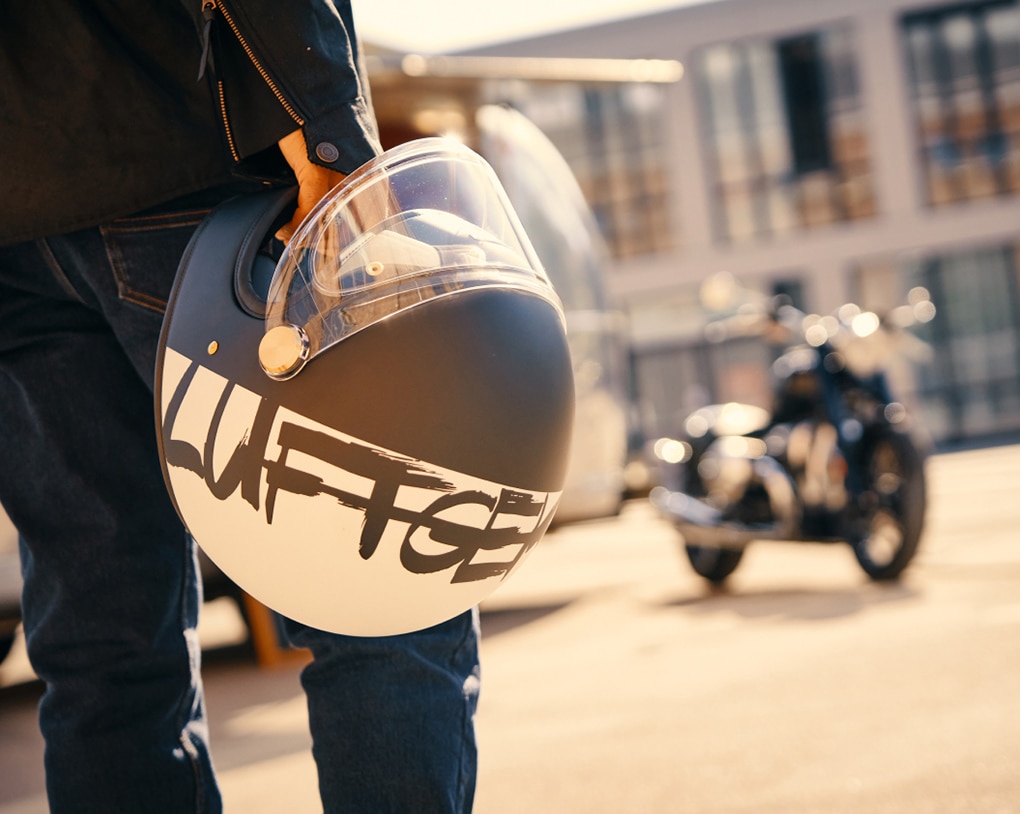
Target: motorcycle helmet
pixel 371 434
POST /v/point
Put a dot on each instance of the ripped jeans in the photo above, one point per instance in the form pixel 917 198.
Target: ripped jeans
pixel 111 588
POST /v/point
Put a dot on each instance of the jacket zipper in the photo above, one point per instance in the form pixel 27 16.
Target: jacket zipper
pixel 222 98
pixel 209 8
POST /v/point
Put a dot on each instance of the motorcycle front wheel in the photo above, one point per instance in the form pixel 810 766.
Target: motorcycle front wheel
pixel 892 507
pixel 714 564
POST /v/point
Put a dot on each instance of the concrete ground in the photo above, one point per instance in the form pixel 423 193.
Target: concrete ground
pixel 615 681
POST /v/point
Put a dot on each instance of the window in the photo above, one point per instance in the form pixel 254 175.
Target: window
pixel 612 137
pixel 785 134
pixel 672 382
pixel 801 69
pixel 965 75
pixel 970 384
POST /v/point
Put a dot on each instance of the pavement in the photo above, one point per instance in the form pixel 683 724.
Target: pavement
pixel 615 681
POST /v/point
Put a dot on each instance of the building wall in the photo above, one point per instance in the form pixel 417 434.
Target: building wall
pixel 906 242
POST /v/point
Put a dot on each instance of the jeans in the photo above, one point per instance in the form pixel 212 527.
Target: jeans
pixel 111 588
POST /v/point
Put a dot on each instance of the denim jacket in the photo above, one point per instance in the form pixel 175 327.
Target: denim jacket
pixel 108 107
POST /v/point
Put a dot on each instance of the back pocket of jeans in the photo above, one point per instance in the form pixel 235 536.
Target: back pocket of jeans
pixel 145 251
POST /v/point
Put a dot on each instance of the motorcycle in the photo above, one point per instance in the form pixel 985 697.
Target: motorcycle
pixel 836 460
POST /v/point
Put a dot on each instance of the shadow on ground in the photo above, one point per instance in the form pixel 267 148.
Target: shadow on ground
pixel 503 620
pixel 792 603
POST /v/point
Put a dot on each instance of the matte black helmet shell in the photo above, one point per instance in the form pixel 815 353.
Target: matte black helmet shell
pixel 407 467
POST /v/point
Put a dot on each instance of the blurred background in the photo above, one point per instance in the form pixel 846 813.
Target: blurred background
pixel 829 151
pixel 806 148
pixel 826 151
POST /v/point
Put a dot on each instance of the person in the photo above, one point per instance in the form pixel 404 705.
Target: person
pixel 122 124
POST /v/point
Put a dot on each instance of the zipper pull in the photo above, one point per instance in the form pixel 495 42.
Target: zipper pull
pixel 208 10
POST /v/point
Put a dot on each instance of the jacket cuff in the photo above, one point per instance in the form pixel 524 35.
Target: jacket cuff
pixel 344 138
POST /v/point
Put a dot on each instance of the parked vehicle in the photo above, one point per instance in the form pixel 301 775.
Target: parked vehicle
pixel 836 460
pixel 463 97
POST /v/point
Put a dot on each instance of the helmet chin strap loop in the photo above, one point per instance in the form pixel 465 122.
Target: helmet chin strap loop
pixel 253 266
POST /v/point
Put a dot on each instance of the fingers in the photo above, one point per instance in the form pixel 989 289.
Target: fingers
pixel 314 181
pixel 286 232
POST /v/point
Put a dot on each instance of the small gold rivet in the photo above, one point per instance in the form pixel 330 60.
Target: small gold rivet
pixel 375 268
pixel 213 347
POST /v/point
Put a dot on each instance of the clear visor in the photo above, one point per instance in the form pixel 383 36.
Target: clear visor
pixel 424 220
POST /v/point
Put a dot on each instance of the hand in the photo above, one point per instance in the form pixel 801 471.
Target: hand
pixel 313 181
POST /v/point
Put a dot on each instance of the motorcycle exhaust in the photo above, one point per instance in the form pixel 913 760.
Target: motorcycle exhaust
pixel 702 524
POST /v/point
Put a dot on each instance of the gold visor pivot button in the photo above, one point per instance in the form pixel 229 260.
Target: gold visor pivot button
pixel 283 351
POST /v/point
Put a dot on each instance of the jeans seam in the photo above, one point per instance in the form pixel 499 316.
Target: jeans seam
pixel 463 771
pixel 184 716
pixel 469 633
pixel 57 270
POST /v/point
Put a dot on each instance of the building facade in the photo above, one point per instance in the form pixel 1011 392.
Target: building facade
pixel 829 151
